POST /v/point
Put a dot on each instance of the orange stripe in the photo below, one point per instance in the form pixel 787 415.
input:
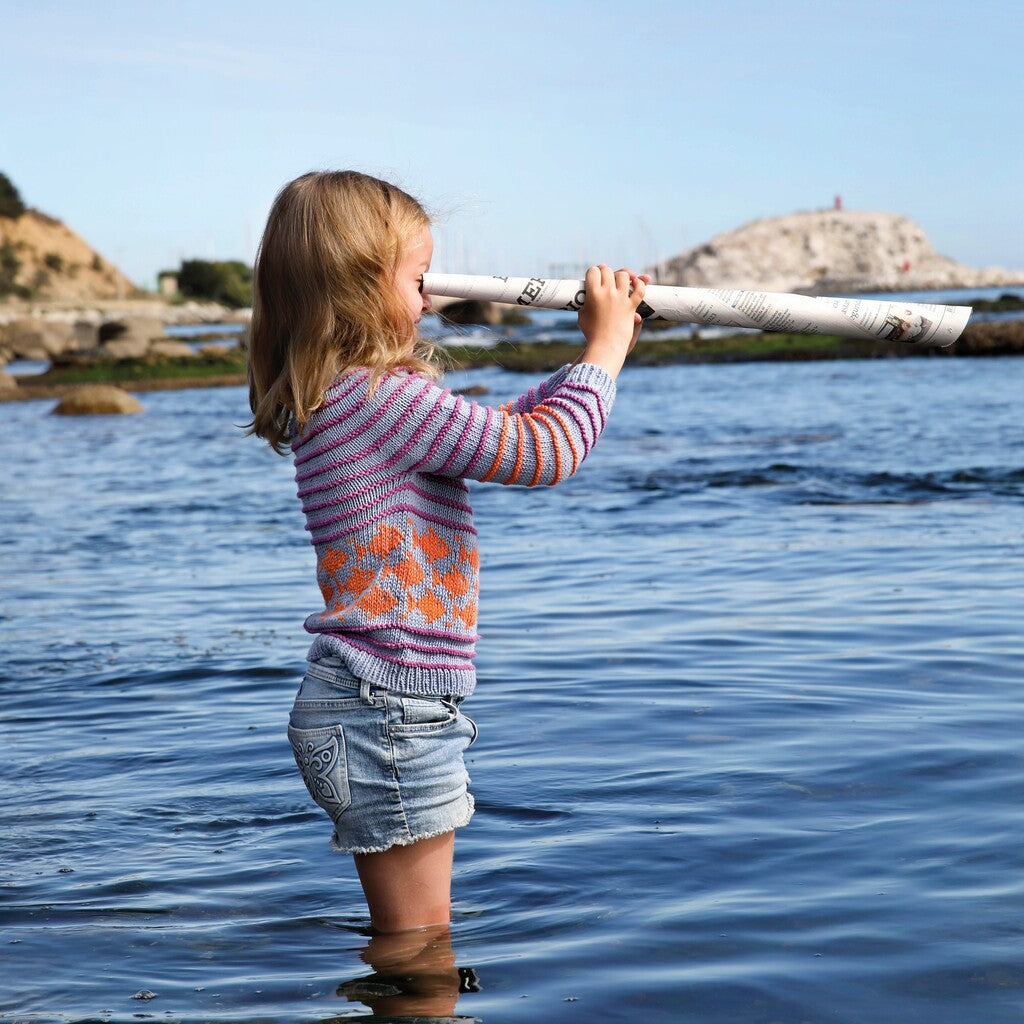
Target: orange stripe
pixel 528 419
pixel 517 468
pixel 568 437
pixel 501 449
pixel 555 442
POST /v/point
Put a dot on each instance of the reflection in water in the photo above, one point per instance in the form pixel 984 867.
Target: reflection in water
pixel 414 977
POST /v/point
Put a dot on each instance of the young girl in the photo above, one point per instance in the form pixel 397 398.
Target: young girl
pixel 338 374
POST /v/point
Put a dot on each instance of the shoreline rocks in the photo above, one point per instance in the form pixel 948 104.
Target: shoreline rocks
pixel 115 330
pixel 994 338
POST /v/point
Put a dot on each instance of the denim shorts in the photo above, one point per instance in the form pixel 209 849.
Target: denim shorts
pixel 387 767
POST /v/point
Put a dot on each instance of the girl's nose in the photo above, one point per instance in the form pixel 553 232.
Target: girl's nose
pixel 427 305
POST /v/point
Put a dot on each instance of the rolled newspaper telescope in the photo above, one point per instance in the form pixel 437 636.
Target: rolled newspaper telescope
pixel 914 322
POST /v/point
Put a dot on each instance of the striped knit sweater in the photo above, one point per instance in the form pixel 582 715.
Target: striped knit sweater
pixel 380 478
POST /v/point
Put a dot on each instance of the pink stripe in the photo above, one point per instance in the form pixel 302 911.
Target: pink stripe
pixel 601 411
pixel 314 430
pixel 442 435
pixel 542 414
pixel 470 421
pixel 587 405
pixel 573 410
pixel 390 461
pixel 406 628
pixel 316 524
pixel 465 650
pixel 488 419
pixel 351 495
pixel 435 499
pixel 464 666
pixel 337 482
pixel 331 503
pixel 366 424
pixel 420 514
pixel 310 474
pixel 374 448
pixel 359 378
pixel 419 431
pixel 356 474
pixel 410 645
pixel 369 450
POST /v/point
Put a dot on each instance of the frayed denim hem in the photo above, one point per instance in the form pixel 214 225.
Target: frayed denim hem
pixel 408 840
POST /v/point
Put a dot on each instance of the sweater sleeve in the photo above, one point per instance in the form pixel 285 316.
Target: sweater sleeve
pixel 412 424
pixel 529 401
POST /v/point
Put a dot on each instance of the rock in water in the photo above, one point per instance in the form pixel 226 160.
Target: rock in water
pixel 130 337
pixel 97 400
pixel 171 347
pixel 31 338
pixel 470 312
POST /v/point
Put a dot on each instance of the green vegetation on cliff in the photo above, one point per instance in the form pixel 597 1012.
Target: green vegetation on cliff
pixel 11 204
pixel 10 267
pixel 228 282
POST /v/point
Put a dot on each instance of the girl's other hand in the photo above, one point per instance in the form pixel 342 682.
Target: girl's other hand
pixel 609 320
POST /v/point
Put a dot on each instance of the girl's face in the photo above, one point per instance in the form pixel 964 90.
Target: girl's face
pixel 409 276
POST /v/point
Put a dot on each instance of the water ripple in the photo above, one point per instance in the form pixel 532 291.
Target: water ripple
pixel 749 698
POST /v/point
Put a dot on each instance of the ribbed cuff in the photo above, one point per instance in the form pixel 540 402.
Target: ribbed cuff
pixel 596 377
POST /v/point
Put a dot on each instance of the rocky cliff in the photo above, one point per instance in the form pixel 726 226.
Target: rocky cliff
pixel 42 259
pixel 826 251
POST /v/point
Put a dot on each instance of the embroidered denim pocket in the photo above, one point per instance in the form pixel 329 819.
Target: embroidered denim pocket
pixel 320 755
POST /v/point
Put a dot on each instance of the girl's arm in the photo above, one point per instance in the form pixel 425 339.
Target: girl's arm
pixel 412 424
pixel 537 394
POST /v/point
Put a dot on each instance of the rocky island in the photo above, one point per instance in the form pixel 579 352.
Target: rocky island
pixel 826 252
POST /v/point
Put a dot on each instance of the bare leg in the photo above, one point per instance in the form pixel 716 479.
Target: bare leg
pixel 409 886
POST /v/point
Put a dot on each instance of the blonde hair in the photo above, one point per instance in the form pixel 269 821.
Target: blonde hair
pixel 324 296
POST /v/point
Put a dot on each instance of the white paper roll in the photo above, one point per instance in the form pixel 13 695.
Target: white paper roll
pixel 914 322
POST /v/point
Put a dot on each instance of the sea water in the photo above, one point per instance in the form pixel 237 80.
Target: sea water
pixel 750 703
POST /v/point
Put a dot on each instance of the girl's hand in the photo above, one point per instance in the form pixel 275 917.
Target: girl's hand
pixel 609 320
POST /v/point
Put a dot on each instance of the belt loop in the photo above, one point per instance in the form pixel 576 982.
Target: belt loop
pixel 366 693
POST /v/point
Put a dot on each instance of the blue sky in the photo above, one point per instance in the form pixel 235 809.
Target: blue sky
pixel 538 133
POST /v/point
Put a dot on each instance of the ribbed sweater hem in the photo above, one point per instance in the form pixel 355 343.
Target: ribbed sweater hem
pixel 430 682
